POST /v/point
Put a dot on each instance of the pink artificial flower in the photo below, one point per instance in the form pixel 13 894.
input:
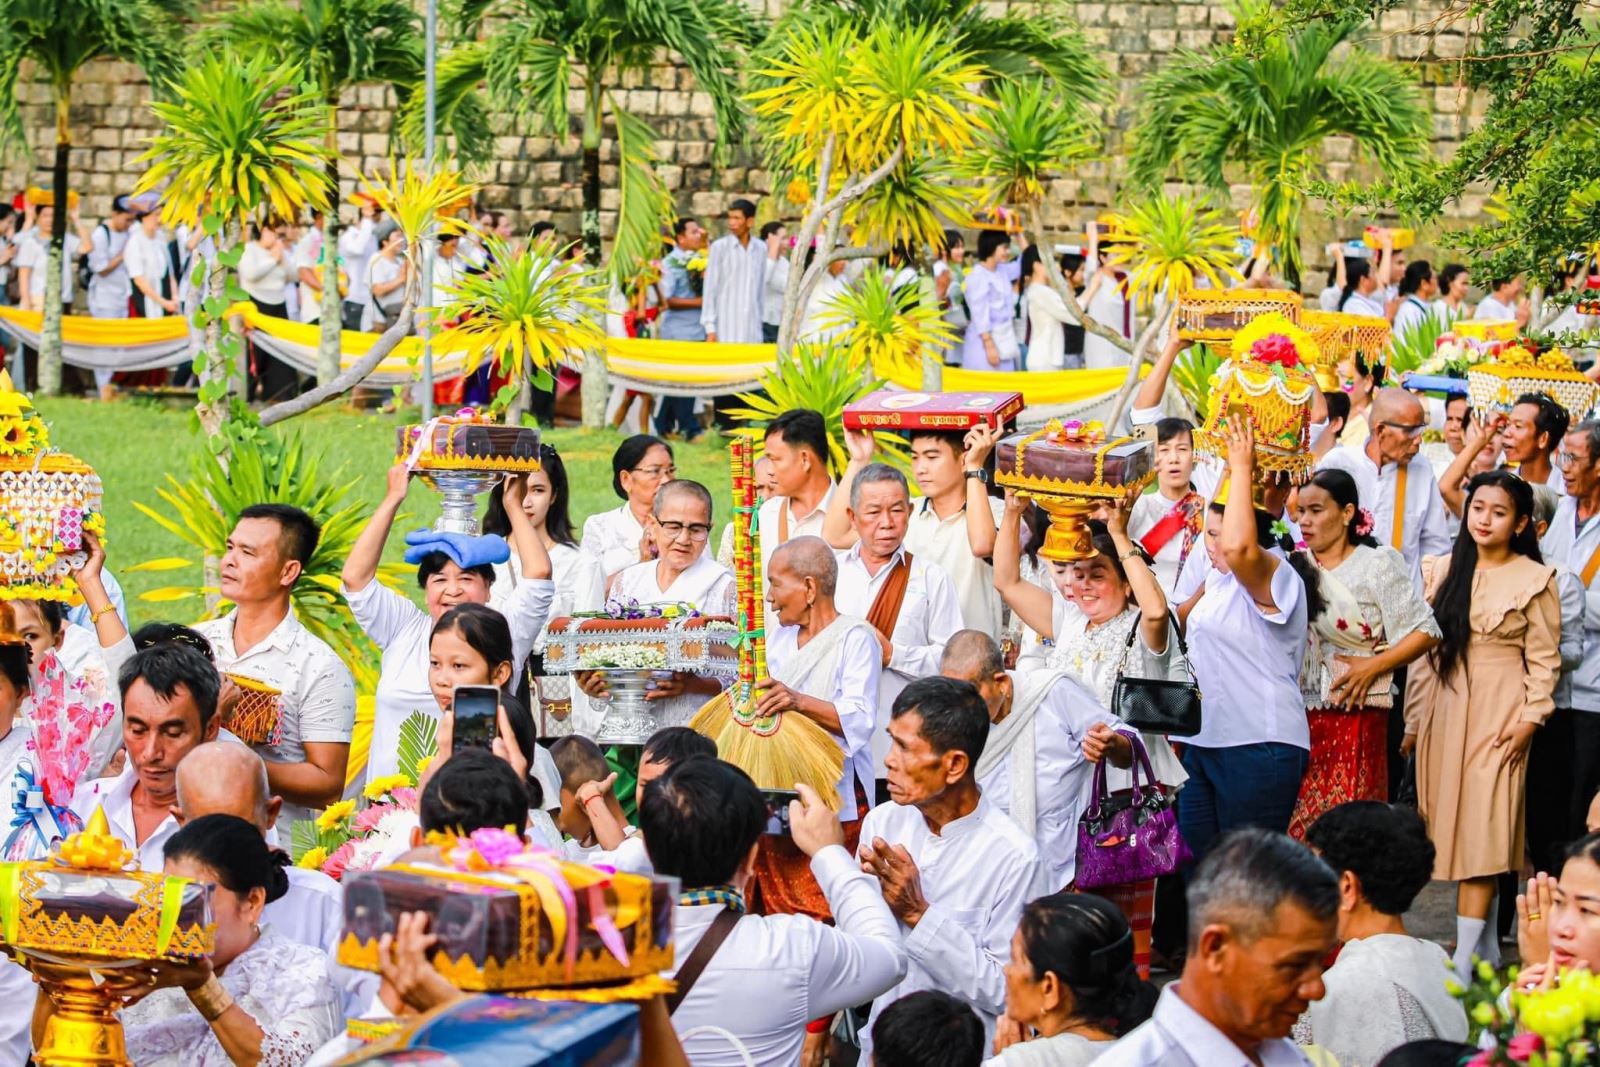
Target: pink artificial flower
pixel 1522 1047
pixel 405 796
pixel 496 846
pixel 367 818
pixel 1483 1059
pixel 334 865
pixel 1276 348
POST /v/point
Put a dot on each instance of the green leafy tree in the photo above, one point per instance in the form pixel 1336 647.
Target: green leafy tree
pixel 1530 62
pixel 537 48
pixel 340 44
pixel 240 136
pixel 1264 104
pixel 58 37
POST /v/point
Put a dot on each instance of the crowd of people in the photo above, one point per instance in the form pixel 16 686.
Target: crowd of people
pixel 1396 659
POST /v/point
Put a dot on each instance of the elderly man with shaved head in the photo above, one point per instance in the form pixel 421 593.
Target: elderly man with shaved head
pixel 1394 482
pixel 224 778
pixel 826 667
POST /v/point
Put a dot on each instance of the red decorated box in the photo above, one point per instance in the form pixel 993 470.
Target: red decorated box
pixel 894 410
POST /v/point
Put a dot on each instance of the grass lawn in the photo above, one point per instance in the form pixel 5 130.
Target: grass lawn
pixel 135 444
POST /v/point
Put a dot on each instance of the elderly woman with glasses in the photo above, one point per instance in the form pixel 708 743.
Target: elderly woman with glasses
pixel 620 538
pixel 682 572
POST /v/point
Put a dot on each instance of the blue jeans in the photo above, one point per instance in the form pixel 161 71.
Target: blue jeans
pixel 677 412
pixel 1243 785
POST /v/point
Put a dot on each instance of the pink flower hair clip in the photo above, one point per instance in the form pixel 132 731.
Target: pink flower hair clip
pixel 1364 522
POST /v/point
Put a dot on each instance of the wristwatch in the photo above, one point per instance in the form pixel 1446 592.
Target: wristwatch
pixel 979 475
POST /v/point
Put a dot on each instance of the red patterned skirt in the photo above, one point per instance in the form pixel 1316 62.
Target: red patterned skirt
pixel 782 882
pixel 1349 761
pixel 1137 902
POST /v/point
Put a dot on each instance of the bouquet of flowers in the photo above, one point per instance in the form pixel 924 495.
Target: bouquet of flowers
pixel 1452 358
pixel 630 608
pixel 1557 1026
pixel 65 714
pixel 352 836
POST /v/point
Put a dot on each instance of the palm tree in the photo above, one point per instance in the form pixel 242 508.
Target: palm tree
pixel 1266 110
pixel 539 45
pixel 226 111
pixel 59 37
pixel 340 44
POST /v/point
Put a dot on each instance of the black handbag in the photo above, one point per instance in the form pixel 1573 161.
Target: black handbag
pixel 1157 705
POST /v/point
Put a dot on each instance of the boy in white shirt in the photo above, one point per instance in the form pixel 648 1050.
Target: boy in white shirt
pixel 591 816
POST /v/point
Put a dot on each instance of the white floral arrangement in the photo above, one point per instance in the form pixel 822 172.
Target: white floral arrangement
pixel 1453 358
pixel 623 658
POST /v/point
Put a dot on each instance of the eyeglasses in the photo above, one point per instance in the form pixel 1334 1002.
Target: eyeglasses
pixel 1409 431
pixel 656 472
pixel 1566 459
pixel 697 531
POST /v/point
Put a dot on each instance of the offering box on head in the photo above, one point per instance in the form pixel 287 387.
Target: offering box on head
pixel 889 409
pixel 1069 470
pixel 497 1031
pixel 534 922
pixel 462 455
pixel 1516 370
pixel 1213 316
pixel 102 915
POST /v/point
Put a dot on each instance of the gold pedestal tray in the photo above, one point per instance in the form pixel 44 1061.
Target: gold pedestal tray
pixel 1068 539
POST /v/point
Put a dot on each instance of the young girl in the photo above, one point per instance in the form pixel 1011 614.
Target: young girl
pixel 559 707
pixel 1170 522
pixel 471 645
pixel 1473 704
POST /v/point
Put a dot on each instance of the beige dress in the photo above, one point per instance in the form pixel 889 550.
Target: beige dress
pixel 1472 801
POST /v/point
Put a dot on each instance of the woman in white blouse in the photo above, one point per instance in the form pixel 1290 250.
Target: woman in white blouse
pixel 258 998
pixel 265 270
pixel 150 268
pixel 1361 295
pixel 558 706
pixel 1247 638
pixel 618 538
pixel 403 631
pixel 1047 314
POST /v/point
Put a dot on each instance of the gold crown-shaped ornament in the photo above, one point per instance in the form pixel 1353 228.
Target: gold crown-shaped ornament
pixel 1268 380
pixel 1340 335
pixel 1517 370
pixel 1214 316
pixel 48 501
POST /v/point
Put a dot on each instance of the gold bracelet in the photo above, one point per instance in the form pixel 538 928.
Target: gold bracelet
pixel 94 616
pixel 210 1000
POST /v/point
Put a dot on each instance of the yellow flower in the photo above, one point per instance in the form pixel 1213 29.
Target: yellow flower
pixel 313 859
pixel 335 814
pixel 379 786
pixel 424 763
pixel 1265 326
pixel 1515 356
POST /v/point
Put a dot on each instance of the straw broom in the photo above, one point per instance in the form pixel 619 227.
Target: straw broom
pixel 776 751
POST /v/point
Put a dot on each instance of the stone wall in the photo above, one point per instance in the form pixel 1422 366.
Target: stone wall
pixel 536 177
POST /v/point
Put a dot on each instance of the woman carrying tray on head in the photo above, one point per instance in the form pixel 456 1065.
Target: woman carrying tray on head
pixel 682 573
pixel 558 708
pixel 1102 599
pixel 451 570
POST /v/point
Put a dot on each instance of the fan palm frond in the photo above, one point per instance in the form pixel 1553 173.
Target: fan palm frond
pixel 1171 242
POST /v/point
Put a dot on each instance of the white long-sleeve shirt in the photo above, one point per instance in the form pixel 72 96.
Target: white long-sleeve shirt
pixel 733 298
pixel 108 292
pixel 357 247
pixel 1047 316
pixel 929 616
pixel 853 694
pixel 1423 531
pixel 976 873
pixel 775 973
pixel 774 280
pixel 263 275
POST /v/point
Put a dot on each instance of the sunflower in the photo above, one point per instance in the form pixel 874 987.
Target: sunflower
pixel 18 437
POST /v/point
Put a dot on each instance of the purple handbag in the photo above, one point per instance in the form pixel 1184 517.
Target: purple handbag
pixel 1129 837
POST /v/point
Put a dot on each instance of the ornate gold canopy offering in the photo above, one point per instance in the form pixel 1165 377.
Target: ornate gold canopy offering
pixel 1517 369
pixel 1069 470
pixel 84 925
pixel 1268 381
pixel 1339 335
pixel 512 917
pixel 462 455
pixel 1213 316
pixel 48 500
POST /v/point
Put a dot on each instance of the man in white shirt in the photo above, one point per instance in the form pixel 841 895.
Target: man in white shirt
pixel 262 639
pixel 1046 733
pixel 357 246
pixel 110 282
pixel 768 975
pixel 824 666
pixel 910 602
pixel 954 869
pixel 1388 468
pixel 1573 541
pixel 954 525
pixel 169 706
pixel 1533 432
pixel 1505 303
pixel 774 279
pixel 1262 920
pixel 731 293
pixel 797 447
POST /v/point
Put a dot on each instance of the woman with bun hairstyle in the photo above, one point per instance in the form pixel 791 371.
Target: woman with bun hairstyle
pixel 1474 702
pixel 1373 623
pixel 1071 986
pixel 258 998
pixel 620 538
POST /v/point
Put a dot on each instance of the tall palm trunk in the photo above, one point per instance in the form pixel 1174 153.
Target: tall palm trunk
pixel 593 128
pixel 332 305
pixel 50 332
